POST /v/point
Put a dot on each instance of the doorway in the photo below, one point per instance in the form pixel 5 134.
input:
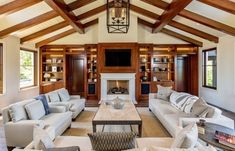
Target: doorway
pixel 75 74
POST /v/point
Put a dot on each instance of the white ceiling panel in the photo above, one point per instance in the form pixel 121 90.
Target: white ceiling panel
pixel 3 2
pixel 24 15
pixel 52 34
pixel 39 27
pixel 147 6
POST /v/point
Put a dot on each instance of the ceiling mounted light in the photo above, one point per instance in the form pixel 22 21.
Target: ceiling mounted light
pixel 118 16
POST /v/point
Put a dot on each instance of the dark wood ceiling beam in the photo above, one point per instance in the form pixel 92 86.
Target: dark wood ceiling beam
pixel 79 3
pixel 182 37
pixel 194 31
pixel 224 5
pixel 29 23
pixel 16 5
pixel 90 23
pixel 173 10
pixel 56 37
pixel 92 12
pixel 44 31
pixel 196 17
pixel 172 33
pixel 208 22
pixel 71 19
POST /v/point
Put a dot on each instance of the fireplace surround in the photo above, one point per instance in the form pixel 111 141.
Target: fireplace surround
pixel 118 80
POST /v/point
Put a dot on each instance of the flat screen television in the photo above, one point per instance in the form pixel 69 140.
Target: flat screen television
pixel 117 57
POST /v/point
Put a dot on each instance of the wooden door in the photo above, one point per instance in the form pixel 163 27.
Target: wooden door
pixel 181 81
pixel 75 74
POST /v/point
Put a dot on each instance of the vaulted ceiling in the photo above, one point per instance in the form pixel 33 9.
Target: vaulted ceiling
pixel 44 21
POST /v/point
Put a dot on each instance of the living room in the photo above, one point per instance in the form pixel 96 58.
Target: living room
pixel 112 68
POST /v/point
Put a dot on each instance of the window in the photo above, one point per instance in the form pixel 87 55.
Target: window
pixel 210 68
pixel 1 69
pixel 28 71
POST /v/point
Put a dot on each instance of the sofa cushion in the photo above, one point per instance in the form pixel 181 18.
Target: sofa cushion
pixel 164 92
pixel 107 141
pixel 54 97
pixel 69 148
pixel 200 148
pixel 186 138
pixel 64 95
pixel 199 108
pixel 43 99
pixel 35 110
pixel 17 112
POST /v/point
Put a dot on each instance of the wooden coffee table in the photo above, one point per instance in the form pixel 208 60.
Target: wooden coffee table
pixel 209 136
pixel 107 115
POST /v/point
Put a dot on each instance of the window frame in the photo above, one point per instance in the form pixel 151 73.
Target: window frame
pixel 35 58
pixel 204 68
pixel 2 64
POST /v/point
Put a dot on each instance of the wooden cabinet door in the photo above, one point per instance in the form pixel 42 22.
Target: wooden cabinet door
pixel 75 75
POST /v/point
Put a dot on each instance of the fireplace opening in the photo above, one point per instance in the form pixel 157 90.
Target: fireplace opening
pixel 118 86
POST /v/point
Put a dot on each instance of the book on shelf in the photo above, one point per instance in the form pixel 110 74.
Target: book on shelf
pixel 225 139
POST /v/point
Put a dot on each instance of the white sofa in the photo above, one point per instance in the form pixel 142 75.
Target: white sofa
pixel 173 119
pixel 73 103
pixel 20 133
pixel 84 143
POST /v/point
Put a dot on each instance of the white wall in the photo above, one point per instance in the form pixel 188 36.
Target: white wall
pixel 12 93
pixel 224 96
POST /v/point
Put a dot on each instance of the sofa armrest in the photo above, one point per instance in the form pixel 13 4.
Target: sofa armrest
pixel 57 109
pixel 152 95
pixel 21 133
pixel 75 96
pixel 221 120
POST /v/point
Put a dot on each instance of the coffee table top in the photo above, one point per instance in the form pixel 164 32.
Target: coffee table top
pixel 108 113
pixel 209 135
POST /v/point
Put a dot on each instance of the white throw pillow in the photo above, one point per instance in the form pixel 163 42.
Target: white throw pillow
pixel 187 137
pixel 35 110
pixel 201 148
pixel 41 139
pixel 54 97
pixel 163 92
pixel 199 108
pixel 64 95
pixel 17 112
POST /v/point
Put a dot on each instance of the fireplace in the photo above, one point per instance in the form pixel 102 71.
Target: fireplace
pixel 117 87
pixel 120 85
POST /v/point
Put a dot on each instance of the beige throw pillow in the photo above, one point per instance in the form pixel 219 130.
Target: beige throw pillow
pixel 164 92
pixel 199 108
pixel 17 113
pixel 187 137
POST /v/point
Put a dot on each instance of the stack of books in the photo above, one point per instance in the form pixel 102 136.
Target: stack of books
pixel 225 139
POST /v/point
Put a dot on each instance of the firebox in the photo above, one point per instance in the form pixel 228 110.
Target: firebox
pixel 117 87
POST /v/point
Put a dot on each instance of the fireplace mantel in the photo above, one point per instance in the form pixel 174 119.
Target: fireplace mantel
pixel 118 76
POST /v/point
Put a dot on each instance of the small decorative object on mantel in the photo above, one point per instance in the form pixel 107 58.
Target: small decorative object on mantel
pixel 118 103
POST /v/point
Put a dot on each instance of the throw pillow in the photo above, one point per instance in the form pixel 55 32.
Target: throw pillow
pixel 188 104
pixel 17 113
pixel 201 148
pixel 54 97
pixel 64 95
pixel 164 92
pixel 199 108
pixel 109 141
pixel 213 112
pixel 186 138
pixel 43 99
pixel 70 148
pixel 35 110
pixel 41 139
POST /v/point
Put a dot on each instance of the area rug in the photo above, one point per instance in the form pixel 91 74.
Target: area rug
pixel 83 124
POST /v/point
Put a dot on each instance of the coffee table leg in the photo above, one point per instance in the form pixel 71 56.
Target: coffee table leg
pixel 140 129
pixel 94 127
